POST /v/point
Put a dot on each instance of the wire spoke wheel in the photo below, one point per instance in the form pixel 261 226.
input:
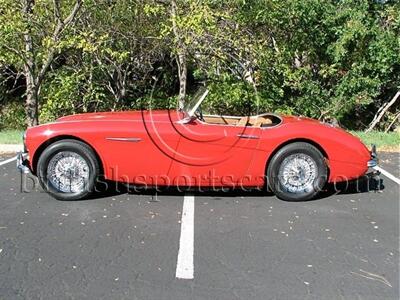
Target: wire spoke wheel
pixel 68 172
pixel 297 173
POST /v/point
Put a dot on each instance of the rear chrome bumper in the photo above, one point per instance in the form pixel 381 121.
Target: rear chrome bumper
pixel 23 163
pixel 373 162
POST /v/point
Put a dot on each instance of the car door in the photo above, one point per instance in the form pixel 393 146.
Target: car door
pixel 141 151
pixel 213 154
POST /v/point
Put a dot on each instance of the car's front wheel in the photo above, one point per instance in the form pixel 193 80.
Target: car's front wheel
pixel 68 170
pixel 297 172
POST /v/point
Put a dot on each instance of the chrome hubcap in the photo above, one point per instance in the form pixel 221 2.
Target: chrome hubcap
pixel 68 172
pixel 297 173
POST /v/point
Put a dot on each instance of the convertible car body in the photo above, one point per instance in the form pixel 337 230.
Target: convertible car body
pixel 295 156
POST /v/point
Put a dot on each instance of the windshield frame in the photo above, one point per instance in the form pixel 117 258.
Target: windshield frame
pixel 191 107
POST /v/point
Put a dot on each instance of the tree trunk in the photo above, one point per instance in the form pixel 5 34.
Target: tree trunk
pixel 31 104
pixel 35 74
pixel 181 58
pixel 182 69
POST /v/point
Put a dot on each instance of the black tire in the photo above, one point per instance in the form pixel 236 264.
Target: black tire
pixel 285 191
pixel 71 146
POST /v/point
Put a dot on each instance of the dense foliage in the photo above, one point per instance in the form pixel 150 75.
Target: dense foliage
pixel 327 59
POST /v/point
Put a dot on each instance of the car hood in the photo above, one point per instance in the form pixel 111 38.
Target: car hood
pixel 122 116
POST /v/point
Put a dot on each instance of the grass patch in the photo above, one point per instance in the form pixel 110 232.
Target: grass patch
pixel 389 141
pixel 11 137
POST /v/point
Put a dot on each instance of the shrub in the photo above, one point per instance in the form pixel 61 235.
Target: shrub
pixel 12 116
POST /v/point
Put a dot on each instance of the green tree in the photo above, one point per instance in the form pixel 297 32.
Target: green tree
pixel 327 59
pixel 320 58
pixel 204 35
pixel 30 35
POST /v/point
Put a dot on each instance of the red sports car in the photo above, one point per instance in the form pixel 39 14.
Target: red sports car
pixel 292 156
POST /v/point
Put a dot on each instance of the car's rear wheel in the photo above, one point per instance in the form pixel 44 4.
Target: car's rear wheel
pixel 68 170
pixel 297 172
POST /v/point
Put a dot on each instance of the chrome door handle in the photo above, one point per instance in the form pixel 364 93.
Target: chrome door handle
pixel 248 136
pixel 124 139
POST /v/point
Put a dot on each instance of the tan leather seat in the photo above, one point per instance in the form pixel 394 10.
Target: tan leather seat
pixel 243 121
pixel 261 121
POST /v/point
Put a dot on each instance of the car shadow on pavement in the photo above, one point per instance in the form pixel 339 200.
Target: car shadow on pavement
pixel 366 184
pixel 203 191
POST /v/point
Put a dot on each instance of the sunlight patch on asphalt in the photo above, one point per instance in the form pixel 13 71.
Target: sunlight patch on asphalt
pixel 184 265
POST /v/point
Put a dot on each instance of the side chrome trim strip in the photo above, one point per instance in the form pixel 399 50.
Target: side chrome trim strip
pixel 248 136
pixel 124 139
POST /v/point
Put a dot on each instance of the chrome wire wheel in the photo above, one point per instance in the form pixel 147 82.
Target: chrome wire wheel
pixel 297 173
pixel 68 172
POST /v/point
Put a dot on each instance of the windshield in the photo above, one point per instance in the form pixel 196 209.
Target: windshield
pixel 192 105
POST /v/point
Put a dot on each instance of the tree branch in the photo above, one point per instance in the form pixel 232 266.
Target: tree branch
pixel 57 11
pixel 61 26
pixel 16 52
pixel 396 118
pixel 382 110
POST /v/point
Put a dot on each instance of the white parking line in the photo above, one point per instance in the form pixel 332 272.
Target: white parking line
pixel 8 161
pixel 184 265
pixel 387 174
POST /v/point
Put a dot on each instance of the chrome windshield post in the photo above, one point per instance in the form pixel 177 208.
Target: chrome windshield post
pixel 187 120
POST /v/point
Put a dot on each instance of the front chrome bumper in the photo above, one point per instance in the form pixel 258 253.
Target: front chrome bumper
pixel 373 162
pixel 23 163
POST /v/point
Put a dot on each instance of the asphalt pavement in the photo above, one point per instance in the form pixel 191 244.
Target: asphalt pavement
pixel 246 245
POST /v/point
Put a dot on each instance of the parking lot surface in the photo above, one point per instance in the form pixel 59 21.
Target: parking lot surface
pixel 246 245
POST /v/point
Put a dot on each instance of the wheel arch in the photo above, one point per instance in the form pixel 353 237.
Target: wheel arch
pixel 295 140
pixel 58 138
